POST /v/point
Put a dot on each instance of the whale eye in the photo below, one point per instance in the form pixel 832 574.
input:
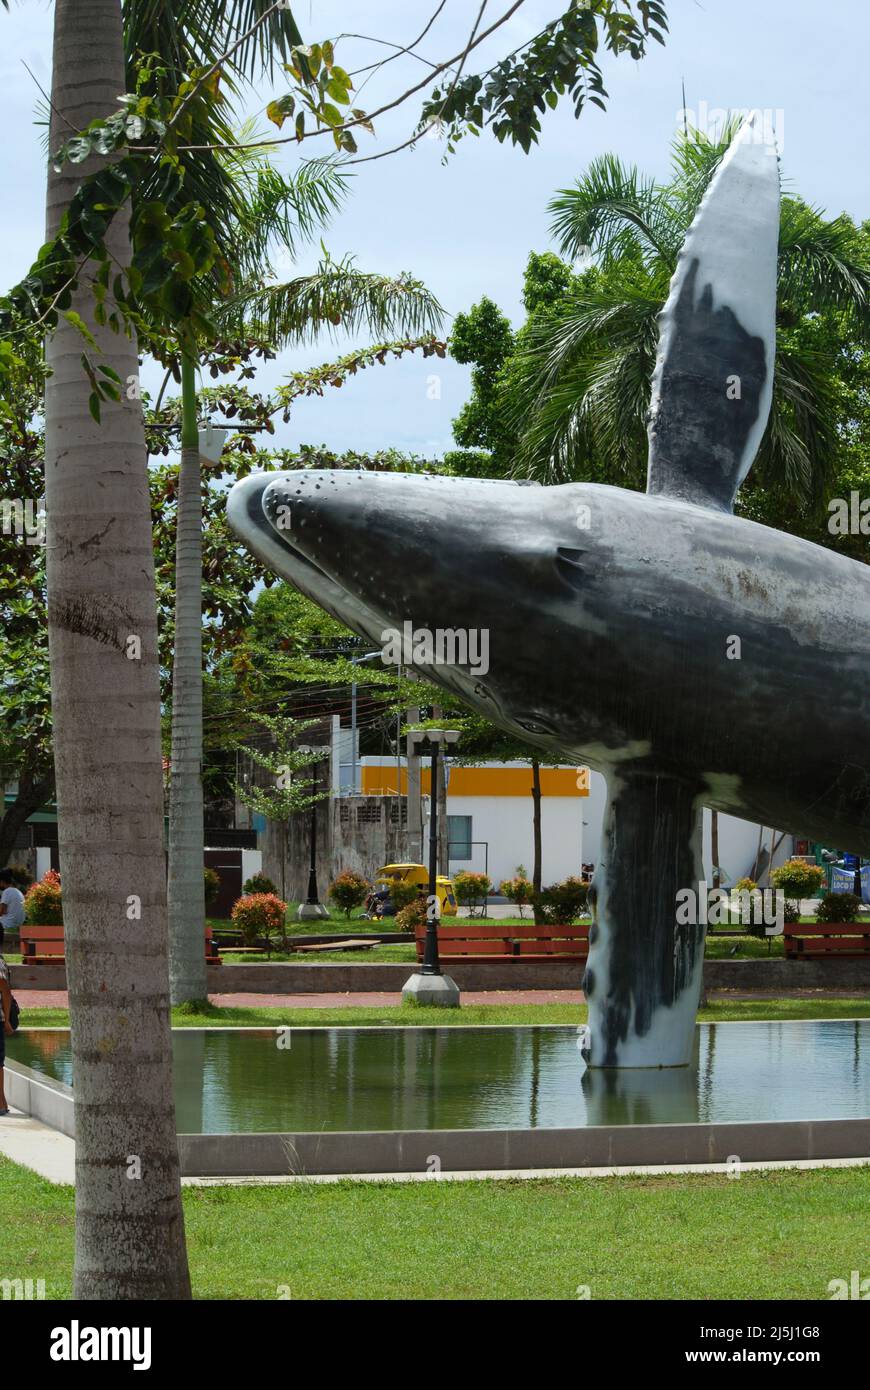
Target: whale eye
pixel 535 726
pixel 481 691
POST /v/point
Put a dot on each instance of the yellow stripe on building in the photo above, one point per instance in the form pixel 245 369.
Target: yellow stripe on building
pixel 482 781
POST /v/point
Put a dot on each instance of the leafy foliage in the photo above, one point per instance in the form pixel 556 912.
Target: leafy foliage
pixel 259 883
pixel 838 907
pixel 562 60
pixel 581 384
pixel 517 890
pixel 561 903
pixel 472 889
pixel 212 880
pixel 259 917
pixel 349 890
pixel 42 902
pixel 798 879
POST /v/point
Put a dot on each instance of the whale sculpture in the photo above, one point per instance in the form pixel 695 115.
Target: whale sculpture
pixel 694 658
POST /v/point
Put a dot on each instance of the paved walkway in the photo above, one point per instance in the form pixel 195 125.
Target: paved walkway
pixel 57 999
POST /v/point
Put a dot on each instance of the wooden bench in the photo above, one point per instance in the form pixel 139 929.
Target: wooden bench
pixel 488 941
pixel 45 946
pixel 842 940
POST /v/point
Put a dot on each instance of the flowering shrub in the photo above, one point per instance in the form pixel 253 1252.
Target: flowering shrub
pixel 259 916
pixel 348 891
pixel 472 890
pixel 797 879
pixel 42 902
pixel 413 915
pixel 517 890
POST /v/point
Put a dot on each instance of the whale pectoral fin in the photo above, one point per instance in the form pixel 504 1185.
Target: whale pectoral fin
pixel 713 380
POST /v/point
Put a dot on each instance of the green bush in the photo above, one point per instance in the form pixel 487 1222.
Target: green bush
pixel 561 903
pixel 838 907
pixel 259 883
pixel 260 917
pixel 412 915
pixel 472 890
pixel 212 887
pixel 797 879
pixel 348 891
pixel 402 893
pixel 517 890
pixel 42 902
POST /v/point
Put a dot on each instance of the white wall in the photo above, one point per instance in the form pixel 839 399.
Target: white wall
pixel 738 839
pixel 505 822
pixel 252 863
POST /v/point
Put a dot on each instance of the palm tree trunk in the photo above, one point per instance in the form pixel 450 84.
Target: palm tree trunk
pixel 187 972
pixel 102 616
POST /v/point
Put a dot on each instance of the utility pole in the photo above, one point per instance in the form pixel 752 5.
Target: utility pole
pixel 414 826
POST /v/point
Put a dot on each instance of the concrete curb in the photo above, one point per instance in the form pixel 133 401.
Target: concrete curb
pixel 334 977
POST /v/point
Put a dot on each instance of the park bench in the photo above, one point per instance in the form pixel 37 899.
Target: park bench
pixel 840 940
pixel 488 941
pixel 45 945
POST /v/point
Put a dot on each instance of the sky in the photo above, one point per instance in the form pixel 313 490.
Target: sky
pixel 465 228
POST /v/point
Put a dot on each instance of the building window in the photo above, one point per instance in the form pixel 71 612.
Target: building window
pixel 459 837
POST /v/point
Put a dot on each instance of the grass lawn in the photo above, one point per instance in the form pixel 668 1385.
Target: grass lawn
pixel 721 1011
pixel 778 1235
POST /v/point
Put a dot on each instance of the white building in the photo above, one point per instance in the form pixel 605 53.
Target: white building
pixel 490 810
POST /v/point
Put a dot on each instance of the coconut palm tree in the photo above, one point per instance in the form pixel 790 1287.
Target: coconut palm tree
pixel 106 707
pixel 268 212
pixel 582 380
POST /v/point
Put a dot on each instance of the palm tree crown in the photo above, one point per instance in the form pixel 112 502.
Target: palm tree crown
pixel 581 383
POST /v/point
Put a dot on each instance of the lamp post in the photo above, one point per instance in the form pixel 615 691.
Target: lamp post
pixel 355 661
pixel 312 909
pixel 429 985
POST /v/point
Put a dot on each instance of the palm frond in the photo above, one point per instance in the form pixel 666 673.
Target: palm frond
pixel 798 453
pixel 822 264
pixel 197 32
pixel 612 211
pixel 336 296
pixel 285 212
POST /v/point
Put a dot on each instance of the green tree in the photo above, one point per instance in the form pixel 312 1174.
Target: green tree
pixel 583 388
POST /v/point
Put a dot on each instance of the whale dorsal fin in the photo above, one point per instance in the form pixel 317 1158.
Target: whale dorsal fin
pixel 713 378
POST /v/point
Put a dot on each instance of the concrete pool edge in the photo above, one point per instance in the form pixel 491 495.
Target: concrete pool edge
pixel 356 1152
pixel 360 1152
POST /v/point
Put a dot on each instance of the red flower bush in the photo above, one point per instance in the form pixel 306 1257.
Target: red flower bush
pixel 42 901
pixel 259 916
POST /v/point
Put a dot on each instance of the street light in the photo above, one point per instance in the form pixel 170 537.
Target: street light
pixel 429 985
pixel 312 909
pixel 355 661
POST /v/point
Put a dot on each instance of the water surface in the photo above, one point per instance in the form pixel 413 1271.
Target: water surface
pixel 231 1081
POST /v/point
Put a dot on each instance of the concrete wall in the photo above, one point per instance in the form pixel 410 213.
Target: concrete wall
pixel 327 977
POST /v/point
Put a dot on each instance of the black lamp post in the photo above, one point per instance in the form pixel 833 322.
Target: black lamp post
pixel 312 907
pixel 435 738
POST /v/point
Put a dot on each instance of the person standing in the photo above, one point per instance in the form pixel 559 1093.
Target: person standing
pixel 11 904
pixel 11 917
